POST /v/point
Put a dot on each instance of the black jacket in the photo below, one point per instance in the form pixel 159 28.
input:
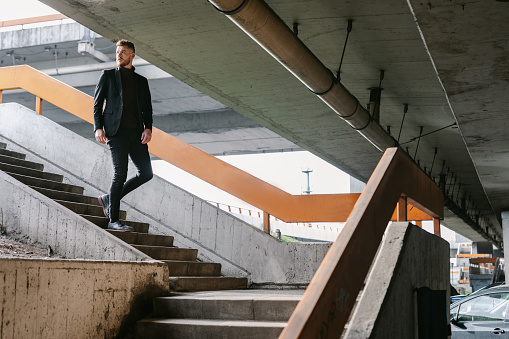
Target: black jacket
pixel 109 88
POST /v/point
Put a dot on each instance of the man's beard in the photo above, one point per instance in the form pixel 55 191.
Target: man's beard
pixel 122 63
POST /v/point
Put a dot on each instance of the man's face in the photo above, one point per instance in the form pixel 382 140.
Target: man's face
pixel 125 56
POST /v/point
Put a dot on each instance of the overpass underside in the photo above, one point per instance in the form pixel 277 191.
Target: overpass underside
pixel 433 58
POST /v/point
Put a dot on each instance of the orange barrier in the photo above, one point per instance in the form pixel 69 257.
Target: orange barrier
pixel 256 192
pixel 34 20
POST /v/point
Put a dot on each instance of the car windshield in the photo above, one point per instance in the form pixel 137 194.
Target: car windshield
pixel 488 307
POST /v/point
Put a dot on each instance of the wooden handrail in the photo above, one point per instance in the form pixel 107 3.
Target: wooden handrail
pixel 268 198
pixel 330 297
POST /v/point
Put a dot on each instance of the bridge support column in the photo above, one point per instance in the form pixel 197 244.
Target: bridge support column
pixel 505 229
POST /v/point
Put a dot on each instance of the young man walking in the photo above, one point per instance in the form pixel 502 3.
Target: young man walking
pixel 125 124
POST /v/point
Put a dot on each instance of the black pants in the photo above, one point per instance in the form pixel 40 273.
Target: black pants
pixel 127 142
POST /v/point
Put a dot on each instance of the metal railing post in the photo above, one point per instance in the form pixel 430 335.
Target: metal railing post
pixel 38 105
pixel 436 226
pixel 402 209
pixel 266 222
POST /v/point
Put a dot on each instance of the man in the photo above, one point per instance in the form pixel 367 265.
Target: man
pixel 125 124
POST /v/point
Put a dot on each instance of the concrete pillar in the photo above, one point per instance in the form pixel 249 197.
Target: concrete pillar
pixel 505 229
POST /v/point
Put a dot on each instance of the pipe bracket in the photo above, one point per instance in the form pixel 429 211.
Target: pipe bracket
pixel 235 11
pixel 346 117
pixel 329 89
pixel 369 122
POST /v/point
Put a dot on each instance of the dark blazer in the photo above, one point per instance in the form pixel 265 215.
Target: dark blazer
pixel 109 88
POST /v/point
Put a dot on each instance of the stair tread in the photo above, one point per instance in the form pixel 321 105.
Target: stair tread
pixel 217 322
pixel 80 207
pixel 31 172
pixel 204 277
pixel 20 162
pixel 45 182
pixel 170 261
pixel 12 154
pixel 66 196
pixel 158 246
pixel 246 294
pixel 103 222
pixel 139 238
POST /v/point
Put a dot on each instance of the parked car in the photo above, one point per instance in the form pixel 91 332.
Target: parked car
pixel 483 314
pixel 455 298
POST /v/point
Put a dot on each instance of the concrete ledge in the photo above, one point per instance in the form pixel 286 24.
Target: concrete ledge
pixel 76 299
pixel 409 258
pixel 27 214
pixel 242 250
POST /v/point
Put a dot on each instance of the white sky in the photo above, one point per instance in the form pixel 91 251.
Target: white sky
pixel 19 9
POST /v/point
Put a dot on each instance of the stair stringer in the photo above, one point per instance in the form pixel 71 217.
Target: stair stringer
pixel 27 214
pixel 242 249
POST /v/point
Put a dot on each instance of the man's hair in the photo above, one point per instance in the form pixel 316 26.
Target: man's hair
pixel 124 42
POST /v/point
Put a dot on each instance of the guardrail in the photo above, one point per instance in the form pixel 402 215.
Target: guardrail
pixel 34 20
pixel 256 192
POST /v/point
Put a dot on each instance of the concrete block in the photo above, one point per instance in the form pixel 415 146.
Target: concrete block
pixel 409 258
pixel 76 299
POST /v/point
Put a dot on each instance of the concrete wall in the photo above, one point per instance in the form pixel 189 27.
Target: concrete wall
pixel 31 216
pixel 242 249
pixel 76 299
pixel 409 258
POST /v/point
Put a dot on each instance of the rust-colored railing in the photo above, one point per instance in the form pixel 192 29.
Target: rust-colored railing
pixel 34 20
pixel 268 198
pixel 330 297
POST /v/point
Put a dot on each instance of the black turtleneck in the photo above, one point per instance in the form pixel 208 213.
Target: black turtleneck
pixel 129 113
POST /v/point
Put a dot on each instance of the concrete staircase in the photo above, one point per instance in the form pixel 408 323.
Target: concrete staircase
pixel 186 273
pixel 203 303
pixel 222 314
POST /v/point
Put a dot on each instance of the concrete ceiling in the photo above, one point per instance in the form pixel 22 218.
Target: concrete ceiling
pixel 456 50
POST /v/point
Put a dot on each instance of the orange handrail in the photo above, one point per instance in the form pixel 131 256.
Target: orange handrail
pixel 330 297
pixel 268 198
pixel 33 20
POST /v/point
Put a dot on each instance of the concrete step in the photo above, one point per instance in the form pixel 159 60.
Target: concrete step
pixel 143 238
pixel 67 196
pixel 12 154
pixel 31 181
pixel 87 209
pixel 210 329
pixel 259 305
pixel 29 172
pixel 168 253
pixel 195 284
pixel 193 268
pixel 19 162
pixel 102 222
pixel 2 145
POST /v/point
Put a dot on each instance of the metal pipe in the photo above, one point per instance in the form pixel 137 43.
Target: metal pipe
pixel 263 25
